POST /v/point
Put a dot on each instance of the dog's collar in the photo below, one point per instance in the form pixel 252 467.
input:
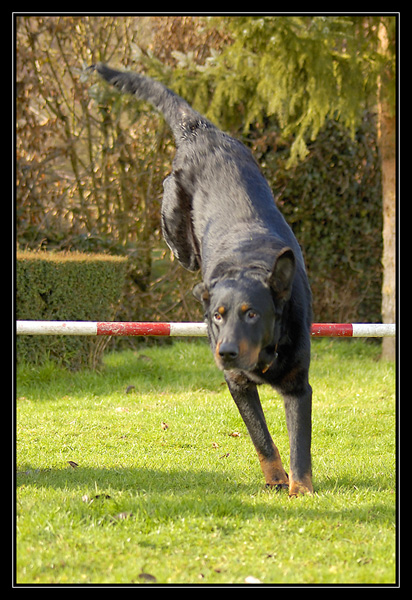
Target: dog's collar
pixel 267 366
pixel 277 335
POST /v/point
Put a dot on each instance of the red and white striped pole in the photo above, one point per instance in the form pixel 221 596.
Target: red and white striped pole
pixel 185 329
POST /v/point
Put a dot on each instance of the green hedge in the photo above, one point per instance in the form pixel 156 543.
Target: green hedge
pixel 68 286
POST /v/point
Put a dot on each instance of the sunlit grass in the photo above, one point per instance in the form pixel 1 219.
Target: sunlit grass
pixel 164 488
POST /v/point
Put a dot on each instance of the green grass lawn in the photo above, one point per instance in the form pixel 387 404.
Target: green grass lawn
pixel 168 487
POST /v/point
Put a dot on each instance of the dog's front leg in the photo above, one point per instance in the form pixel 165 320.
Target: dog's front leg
pixel 298 407
pixel 246 397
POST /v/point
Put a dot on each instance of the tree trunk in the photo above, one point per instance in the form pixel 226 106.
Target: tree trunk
pixel 387 145
pixel 389 237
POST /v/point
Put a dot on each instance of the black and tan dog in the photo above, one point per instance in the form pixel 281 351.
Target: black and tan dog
pixel 219 215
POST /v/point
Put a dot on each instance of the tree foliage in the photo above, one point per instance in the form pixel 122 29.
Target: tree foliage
pixel 303 70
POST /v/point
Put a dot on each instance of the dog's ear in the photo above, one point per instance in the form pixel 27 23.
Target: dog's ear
pixel 201 293
pixel 282 275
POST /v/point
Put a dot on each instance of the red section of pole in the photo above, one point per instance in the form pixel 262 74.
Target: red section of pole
pixel 130 328
pixel 332 330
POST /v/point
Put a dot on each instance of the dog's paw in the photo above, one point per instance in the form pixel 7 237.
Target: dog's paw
pixel 277 486
pixel 300 488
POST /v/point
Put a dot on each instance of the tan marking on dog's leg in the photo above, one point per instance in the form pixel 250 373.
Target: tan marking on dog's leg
pixel 273 469
pixel 300 487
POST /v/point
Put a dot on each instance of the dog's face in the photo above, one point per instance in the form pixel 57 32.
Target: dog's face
pixel 241 319
pixel 242 312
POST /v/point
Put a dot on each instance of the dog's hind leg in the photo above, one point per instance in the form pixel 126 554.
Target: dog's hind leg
pixel 247 400
pixel 176 217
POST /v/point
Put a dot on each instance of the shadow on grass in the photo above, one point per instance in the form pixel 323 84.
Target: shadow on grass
pixel 166 495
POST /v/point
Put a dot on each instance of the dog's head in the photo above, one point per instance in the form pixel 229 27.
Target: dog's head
pixel 242 312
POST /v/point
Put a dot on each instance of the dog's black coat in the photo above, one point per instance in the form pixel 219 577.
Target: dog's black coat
pixel 219 215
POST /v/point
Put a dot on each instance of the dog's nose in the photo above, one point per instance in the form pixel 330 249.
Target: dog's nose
pixel 228 351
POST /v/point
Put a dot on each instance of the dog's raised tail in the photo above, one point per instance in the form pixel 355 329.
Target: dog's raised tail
pixel 179 115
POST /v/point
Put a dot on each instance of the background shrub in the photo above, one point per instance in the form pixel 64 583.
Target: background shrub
pixel 332 200
pixel 66 287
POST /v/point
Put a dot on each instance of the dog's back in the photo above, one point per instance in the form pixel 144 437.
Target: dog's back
pixel 231 199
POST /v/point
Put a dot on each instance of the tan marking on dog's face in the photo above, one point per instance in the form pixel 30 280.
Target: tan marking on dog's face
pixel 217 357
pixel 221 310
pixel 249 352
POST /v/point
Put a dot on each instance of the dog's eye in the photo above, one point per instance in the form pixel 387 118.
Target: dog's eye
pixel 217 317
pixel 251 315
